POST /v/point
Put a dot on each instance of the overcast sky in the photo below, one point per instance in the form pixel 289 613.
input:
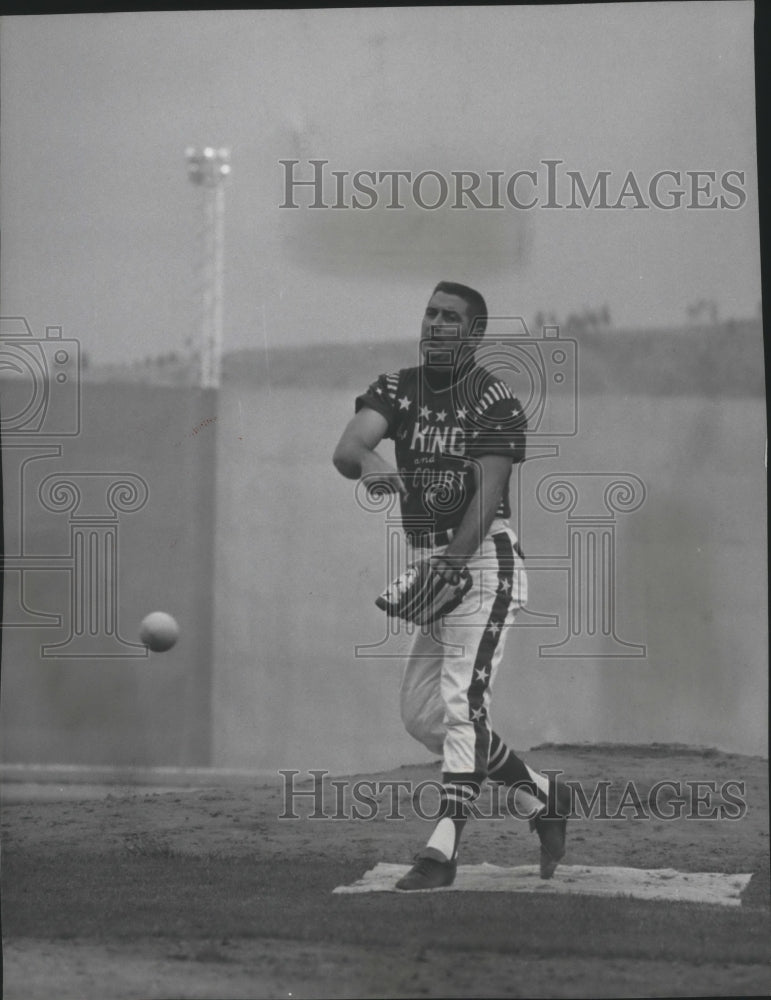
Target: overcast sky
pixel 102 230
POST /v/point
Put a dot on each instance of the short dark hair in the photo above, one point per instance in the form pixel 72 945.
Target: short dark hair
pixel 476 303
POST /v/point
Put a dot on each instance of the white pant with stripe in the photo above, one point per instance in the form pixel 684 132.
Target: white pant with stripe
pixel 445 690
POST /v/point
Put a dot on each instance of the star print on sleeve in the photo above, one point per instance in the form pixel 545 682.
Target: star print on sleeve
pixel 381 397
pixel 404 403
pixel 482 673
pixel 496 425
pixel 477 714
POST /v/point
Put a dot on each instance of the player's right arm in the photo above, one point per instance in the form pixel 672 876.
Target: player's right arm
pixel 356 456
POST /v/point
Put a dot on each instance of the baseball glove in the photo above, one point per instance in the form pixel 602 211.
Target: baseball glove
pixel 422 594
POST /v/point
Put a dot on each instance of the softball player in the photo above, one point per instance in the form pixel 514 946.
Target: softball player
pixel 457 431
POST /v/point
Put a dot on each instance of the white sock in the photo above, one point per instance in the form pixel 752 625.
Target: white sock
pixel 541 781
pixel 527 804
pixel 443 837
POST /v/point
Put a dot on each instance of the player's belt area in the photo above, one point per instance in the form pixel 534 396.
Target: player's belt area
pixel 422 539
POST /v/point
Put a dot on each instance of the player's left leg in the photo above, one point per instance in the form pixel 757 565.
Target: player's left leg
pixel 473 632
pixel 544 800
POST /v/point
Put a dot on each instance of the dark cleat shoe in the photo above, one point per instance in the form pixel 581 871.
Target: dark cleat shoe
pixel 430 871
pixel 551 833
pixel 551 827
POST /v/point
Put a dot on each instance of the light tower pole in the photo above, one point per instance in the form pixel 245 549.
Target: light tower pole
pixel 209 170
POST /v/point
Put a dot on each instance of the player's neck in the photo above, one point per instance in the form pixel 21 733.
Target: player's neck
pixel 438 379
pixel 442 377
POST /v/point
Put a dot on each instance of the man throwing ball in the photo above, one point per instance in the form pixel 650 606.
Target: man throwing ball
pixel 457 430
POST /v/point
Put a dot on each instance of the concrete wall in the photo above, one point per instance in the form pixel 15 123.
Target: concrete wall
pixel 299 564
pixel 106 704
pixel 273 581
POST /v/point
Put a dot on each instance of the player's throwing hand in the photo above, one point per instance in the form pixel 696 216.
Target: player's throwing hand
pixel 384 481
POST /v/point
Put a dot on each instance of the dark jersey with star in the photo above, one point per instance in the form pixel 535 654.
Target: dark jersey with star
pixel 440 429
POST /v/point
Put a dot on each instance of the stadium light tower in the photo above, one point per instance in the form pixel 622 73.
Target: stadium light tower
pixel 209 169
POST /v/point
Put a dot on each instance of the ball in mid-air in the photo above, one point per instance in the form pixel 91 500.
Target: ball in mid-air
pixel 158 631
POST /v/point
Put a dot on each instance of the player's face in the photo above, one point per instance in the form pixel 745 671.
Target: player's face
pixel 446 318
pixel 446 323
